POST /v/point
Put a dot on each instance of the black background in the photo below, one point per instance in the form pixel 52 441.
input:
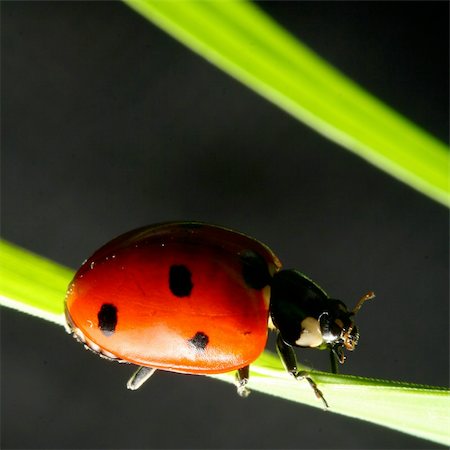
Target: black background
pixel 110 124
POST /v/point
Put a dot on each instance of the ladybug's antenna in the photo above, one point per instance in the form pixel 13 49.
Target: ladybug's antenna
pixel 369 296
pixel 349 340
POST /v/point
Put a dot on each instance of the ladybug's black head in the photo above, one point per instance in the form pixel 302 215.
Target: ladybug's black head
pixel 305 316
pixel 338 328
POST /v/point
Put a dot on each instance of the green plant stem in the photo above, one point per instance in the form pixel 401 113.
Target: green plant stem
pixel 244 42
pixel 414 409
pixel 35 285
pixel 32 284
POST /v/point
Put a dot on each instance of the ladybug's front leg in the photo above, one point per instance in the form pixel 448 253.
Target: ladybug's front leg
pixel 289 360
pixel 139 377
pixel 333 362
pixel 242 376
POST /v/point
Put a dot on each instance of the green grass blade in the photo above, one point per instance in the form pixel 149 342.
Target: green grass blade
pixel 243 41
pixel 35 285
pixel 422 411
pixel 32 284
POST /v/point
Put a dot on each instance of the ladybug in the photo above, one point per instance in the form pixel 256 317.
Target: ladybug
pixel 196 298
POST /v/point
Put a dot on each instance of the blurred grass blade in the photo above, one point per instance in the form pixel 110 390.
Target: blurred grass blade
pixel 35 285
pixel 32 284
pixel 242 40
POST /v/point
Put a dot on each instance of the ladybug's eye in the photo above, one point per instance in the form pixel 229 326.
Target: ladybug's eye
pixel 331 331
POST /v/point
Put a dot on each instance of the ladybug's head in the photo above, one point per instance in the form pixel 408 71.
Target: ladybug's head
pixel 338 328
pixel 306 317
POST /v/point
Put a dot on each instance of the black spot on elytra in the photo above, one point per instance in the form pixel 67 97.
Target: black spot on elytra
pixel 199 341
pixel 107 319
pixel 180 282
pixel 254 270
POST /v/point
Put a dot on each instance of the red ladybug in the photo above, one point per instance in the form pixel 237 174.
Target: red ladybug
pixel 195 298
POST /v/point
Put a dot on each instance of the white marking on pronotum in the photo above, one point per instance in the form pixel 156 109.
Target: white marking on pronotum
pixel 311 335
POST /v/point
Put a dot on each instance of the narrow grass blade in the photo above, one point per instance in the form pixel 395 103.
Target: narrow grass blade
pixel 32 284
pixel 422 411
pixel 243 41
pixel 36 286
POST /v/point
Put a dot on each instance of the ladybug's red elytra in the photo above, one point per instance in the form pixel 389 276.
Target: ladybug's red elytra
pixel 196 298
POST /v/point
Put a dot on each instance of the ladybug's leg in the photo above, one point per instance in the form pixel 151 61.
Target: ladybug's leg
pixel 140 377
pixel 242 376
pixel 289 360
pixel 333 361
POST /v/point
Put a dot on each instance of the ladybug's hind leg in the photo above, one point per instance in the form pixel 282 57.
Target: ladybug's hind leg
pixel 140 377
pixel 242 376
pixel 289 360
